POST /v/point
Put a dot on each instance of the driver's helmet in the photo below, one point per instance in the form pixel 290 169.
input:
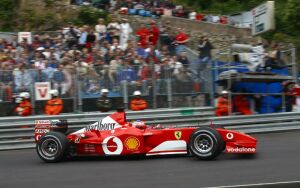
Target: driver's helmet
pixel 138 123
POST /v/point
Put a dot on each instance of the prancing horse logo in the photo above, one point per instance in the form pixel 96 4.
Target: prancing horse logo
pixel 177 134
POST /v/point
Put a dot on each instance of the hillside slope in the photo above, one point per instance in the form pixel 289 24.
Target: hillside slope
pixel 34 14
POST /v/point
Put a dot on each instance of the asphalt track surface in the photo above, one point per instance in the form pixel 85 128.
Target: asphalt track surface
pixel 278 160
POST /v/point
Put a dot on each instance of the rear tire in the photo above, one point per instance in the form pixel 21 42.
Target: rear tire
pixel 206 143
pixel 52 147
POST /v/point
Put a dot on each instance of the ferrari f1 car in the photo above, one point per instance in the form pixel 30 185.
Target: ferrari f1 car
pixel 113 136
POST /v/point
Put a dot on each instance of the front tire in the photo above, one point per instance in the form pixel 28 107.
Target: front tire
pixel 52 147
pixel 206 143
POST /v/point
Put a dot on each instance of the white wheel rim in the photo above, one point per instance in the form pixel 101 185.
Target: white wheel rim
pixel 203 143
pixel 49 147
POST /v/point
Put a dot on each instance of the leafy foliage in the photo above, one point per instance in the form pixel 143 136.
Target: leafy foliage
pixel 292 16
pixel 6 13
pixel 287 15
pixel 287 11
pixel 89 15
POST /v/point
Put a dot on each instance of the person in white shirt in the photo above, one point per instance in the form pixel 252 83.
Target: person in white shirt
pixel 125 30
pixel 113 28
pixel 100 29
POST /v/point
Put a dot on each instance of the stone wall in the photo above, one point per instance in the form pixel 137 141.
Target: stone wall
pixel 221 36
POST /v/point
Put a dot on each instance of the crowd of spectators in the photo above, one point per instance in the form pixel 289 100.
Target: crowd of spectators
pixel 153 8
pixel 103 56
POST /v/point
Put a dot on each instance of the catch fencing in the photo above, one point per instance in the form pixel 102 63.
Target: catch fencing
pixel 162 86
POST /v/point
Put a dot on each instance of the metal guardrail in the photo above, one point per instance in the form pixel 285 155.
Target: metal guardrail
pixel 262 123
pixel 17 133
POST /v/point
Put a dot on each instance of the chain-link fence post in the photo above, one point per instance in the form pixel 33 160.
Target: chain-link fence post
pixel 33 97
pixel 153 85
pixel 79 96
pixel 76 86
pixel 294 65
pixel 169 91
pixel 125 93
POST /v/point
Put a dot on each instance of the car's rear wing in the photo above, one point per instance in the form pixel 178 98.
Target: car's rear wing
pixel 44 126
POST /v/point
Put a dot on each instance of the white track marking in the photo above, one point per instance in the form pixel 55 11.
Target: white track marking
pixel 258 184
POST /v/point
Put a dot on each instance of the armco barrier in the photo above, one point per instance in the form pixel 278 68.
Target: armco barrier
pixel 17 133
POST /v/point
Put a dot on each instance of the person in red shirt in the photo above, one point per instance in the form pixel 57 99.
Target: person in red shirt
pixel 138 103
pixel 296 93
pixel 180 40
pixel 24 108
pixel 289 91
pixel 154 33
pixel 181 37
pixel 54 106
pixel 200 16
pixel 223 20
pixel 242 105
pixel 143 34
pixel 223 105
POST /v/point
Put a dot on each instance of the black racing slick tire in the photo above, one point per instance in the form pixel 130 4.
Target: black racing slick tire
pixel 206 143
pixel 52 147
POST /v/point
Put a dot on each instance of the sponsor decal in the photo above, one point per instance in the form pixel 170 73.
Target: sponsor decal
pixel 37 137
pixel 229 136
pixel 101 126
pixel 241 150
pixel 112 145
pixel 169 147
pixel 77 139
pixel 41 131
pixel 42 122
pixel 89 148
pixel 177 134
pixel 132 143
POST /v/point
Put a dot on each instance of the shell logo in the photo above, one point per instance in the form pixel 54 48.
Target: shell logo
pixel 132 143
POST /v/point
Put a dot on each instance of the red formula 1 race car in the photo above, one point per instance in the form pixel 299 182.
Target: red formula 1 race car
pixel 113 135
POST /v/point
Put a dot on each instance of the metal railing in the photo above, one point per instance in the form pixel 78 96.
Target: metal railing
pixel 18 133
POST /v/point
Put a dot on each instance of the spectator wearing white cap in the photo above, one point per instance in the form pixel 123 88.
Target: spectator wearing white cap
pixel 138 103
pixel 223 106
pixel 24 108
pixel 54 106
pixel 104 103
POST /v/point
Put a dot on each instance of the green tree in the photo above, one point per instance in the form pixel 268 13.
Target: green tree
pixel 292 16
pixel 6 14
pixel 89 16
